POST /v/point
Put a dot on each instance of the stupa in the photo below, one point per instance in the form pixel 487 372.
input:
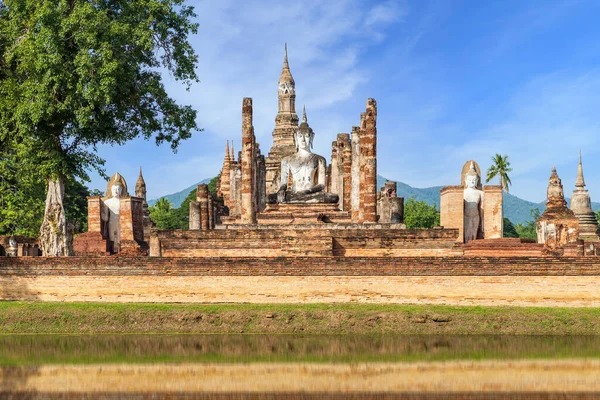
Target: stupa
pixel 581 205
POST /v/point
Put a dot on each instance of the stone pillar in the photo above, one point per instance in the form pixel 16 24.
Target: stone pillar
pixel 261 184
pixel 235 201
pixel 194 221
pixel 493 218
pixel 333 181
pixel 94 212
pixel 368 155
pixel 211 213
pixel 397 210
pixel 355 174
pixel 248 210
pixel 346 171
pixel 202 198
pixel 155 246
pixel 452 209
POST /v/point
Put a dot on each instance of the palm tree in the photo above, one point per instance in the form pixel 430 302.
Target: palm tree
pixel 500 167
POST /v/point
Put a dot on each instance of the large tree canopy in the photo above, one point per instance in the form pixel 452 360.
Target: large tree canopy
pixel 78 73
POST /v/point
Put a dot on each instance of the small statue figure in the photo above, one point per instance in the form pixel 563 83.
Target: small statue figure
pixel 307 172
pixel 473 199
pixel 12 247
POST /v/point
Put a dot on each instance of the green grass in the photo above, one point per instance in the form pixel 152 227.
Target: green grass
pixel 342 318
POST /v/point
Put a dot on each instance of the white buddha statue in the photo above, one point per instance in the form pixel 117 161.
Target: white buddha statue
pixel 473 200
pixel 111 210
pixel 307 171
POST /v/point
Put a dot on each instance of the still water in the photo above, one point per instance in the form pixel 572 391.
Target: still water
pixel 299 367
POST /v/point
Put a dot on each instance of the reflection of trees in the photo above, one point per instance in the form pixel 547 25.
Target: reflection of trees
pixel 238 348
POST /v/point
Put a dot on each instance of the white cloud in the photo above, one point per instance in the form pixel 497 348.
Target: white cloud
pixel 543 124
pixel 240 49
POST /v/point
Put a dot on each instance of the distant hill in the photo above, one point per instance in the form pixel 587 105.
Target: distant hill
pixel 179 197
pixel 515 209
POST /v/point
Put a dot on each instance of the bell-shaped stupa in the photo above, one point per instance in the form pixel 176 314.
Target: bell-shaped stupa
pixel 581 205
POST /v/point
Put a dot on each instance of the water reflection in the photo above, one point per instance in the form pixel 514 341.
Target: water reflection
pixel 271 366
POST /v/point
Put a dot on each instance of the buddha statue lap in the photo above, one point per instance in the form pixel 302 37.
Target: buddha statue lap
pixel 307 172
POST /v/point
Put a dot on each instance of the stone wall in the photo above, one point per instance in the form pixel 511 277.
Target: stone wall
pixel 530 281
pixel 310 240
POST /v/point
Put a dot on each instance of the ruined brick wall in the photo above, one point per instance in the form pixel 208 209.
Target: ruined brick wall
pixel 248 164
pixel 202 198
pixel 493 217
pixel 94 213
pixel 368 156
pixel 345 185
pixel 306 241
pixel 355 174
pixel 452 209
pixel 528 281
pixel 131 219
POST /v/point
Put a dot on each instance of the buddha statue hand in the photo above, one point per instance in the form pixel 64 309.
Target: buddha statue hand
pixel 281 194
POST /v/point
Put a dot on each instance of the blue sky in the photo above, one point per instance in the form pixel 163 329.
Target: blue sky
pixel 454 80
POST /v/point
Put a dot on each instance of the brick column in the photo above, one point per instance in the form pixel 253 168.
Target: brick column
pixel 346 170
pixel 368 151
pixel 131 218
pixel 194 221
pixel 493 218
pixel 355 174
pixel 94 208
pixel 211 220
pixel 202 198
pixel 452 212
pixel 248 144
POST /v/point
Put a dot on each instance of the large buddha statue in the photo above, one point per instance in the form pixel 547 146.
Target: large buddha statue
pixel 473 201
pixel 110 213
pixel 306 171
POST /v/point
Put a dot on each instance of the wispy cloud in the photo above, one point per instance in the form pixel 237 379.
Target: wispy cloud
pixel 543 124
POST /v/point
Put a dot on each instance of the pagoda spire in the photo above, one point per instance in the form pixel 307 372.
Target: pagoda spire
pixel 140 186
pixel 580 182
pixel 286 74
pixel 227 154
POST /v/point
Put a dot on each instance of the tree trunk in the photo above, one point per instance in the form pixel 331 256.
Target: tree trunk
pixel 55 237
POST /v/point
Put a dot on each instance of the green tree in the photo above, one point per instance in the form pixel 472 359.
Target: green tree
pixel 212 185
pixel 509 229
pixel 529 229
pixel 162 214
pixel 22 193
pixel 78 73
pixel 418 214
pixel 500 167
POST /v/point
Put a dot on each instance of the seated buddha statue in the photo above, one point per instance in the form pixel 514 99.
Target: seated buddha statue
pixel 307 172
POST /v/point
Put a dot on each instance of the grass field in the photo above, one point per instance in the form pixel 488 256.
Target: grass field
pixel 105 318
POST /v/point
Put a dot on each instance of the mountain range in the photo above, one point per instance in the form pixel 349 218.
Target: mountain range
pixel 515 208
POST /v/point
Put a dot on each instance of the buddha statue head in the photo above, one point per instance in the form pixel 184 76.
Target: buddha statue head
pixel 472 177
pixel 116 181
pixel 304 135
pixel 116 190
